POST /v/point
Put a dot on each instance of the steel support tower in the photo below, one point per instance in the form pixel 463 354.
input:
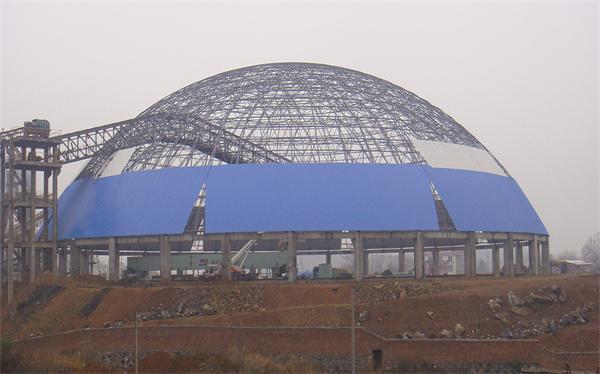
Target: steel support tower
pixel 30 165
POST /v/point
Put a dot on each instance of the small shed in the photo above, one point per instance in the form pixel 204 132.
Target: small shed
pixel 574 266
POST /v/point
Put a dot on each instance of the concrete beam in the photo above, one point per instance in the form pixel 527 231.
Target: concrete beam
pixel 113 260
pixel 292 265
pixel 165 259
pixel 534 256
pixel 419 256
pixel 508 256
pixel 358 256
pixel 226 257
pixel 546 256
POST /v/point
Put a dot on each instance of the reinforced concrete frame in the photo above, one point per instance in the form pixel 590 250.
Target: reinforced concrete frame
pixel 420 242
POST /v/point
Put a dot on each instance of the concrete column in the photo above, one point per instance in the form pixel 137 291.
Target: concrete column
pixel 36 268
pixel 435 261
pixel 328 258
pixel 62 262
pixel 9 271
pixel 55 215
pixel 546 256
pixel 519 257
pixel 85 263
pixel 22 268
pixel 534 268
pixel 358 257
pixel 365 263
pixel 165 259
pixel 113 260
pixel 401 261
pixel 508 256
pixel 496 260
pixel 470 256
pixel 226 257
pixel 75 260
pixel 54 261
pixel 34 262
pixel 292 265
pixel 419 256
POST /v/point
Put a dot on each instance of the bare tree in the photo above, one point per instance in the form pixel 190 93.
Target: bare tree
pixel 567 254
pixel 590 251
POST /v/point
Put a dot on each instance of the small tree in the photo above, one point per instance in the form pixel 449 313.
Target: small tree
pixel 590 251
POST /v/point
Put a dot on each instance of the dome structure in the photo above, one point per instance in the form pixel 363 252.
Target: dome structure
pixel 297 112
pixel 294 147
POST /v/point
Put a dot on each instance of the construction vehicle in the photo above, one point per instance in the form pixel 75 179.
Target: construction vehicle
pixel 214 271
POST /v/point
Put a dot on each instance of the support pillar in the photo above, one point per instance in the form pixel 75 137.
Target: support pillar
pixel 328 258
pixel 292 265
pixel 546 256
pixel 62 262
pixel 470 255
pixel 435 261
pixel 519 258
pixel 365 263
pixel 508 256
pixel 534 268
pixel 401 261
pixel 85 263
pixel 34 263
pixel 76 260
pixel 10 272
pixel 496 260
pixel 226 257
pixel 419 256
pixel 165 259
pixel 113 260
pixel 358 257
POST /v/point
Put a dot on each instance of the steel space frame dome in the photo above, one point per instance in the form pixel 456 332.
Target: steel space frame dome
pixel 290 112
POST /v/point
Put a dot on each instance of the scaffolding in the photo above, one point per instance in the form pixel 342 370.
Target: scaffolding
pixel 29 163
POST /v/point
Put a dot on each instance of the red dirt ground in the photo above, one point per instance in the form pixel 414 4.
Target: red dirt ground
pixel 327 304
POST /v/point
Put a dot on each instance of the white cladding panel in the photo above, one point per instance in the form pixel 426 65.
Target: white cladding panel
pixel 115 164
pixel 455 156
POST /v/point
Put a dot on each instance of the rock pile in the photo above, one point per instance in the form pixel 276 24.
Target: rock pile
pixel 208 301
pixel 385 291
pixel 544 297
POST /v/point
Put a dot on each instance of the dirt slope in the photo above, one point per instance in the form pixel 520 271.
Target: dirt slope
pixel 389 307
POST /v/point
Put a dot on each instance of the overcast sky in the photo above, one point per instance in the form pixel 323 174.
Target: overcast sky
pixel 522 77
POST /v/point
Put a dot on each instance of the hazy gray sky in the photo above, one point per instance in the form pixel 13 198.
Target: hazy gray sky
pixel 522 77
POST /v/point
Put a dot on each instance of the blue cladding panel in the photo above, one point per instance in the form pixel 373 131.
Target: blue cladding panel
pixel 138 203
pixel 318 197
pixel 480 201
